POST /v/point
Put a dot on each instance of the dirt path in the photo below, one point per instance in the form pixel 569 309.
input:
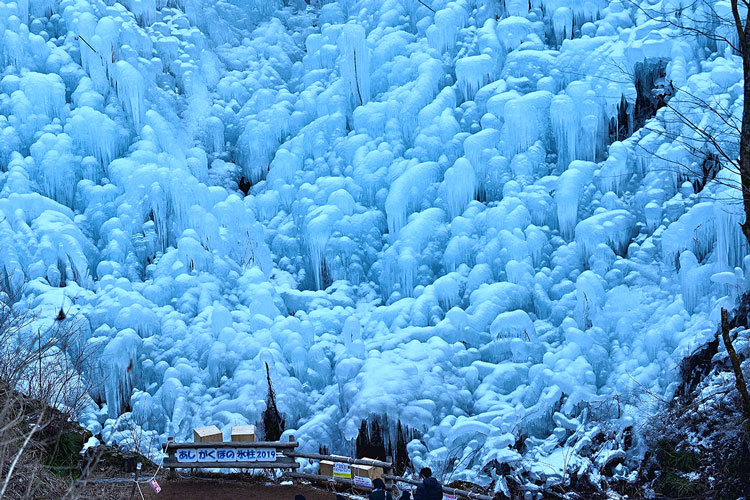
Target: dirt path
pixel 230 490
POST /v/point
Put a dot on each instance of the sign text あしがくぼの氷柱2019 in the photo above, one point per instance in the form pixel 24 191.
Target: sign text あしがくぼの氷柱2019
pixel 238 454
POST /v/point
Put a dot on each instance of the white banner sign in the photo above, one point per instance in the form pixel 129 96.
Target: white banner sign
pixel 362 482
pixel 188 455
pixel 341 470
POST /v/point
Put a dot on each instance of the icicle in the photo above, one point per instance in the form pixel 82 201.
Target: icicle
pixel 613 228
pixel 693 281
pixel 42 8
pixel 615 171
pixel 480 146
pixel 731 245
pixel 45 92
pixel 256 146
pixel 527 120
pixel 406 193
pixel 562 24
pixel 512 31
pixel 318 232
pixel 590 298
pixel 447 22
pixel 695 231
pixel 446 99
pixel 473 73
pixel 460 250
pixel 215 135
pixel 131 90
pixel 517 7
pixel 569 189
pixel 588 137
pixel 95 132
pixel 401 261
pixel 351 333
pixel 513 324
pixel 217 363
pixel 355 62
pixel 718 15
pixel 563 117
pixel 23 10
pixel 458 187
pixel 121 366
pixel 447 290
pixel 143 10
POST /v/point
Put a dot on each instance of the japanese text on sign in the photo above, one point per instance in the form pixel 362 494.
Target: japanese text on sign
pixel 187 455
pixel 362 482
pixel 341 470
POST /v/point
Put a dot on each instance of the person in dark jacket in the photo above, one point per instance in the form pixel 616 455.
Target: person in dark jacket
pixel 430 489
pixel 405 495
pixel 379 492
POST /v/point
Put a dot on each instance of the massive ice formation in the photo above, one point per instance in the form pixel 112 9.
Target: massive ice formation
pixel 472 217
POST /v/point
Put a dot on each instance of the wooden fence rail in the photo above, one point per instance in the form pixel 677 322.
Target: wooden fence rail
pixel 446 489
pixel 230 455
pixel 279 445
pixel 387 477
pixel 364 483
pixel 336 458
pixel 323 479
pixel 279 455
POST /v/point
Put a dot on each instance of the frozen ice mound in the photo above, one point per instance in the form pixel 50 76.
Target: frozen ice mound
pixel 456 214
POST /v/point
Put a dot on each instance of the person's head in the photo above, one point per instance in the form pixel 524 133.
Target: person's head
pixel 300 497
pixel 378 484
pixel 425 472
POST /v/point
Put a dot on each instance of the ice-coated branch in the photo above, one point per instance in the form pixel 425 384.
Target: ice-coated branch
pixel 690 25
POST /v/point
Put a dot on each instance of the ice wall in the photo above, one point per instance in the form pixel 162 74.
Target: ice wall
pixel 443 211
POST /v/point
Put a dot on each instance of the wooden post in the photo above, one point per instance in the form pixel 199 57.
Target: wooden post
pixel 135 481
pixel 277 478
pixel 291 440
pixel 171 474
pixel 388 482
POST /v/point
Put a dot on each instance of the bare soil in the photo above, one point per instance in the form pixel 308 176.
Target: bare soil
pixel 230 490
pixel 208 489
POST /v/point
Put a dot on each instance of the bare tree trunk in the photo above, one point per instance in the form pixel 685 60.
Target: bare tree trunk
pixel 739 377
pixel 743 36
pixel 744 160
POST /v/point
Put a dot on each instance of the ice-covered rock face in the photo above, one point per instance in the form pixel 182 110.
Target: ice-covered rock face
pixel 460 214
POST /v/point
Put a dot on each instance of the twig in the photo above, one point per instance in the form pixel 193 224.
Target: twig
pixel 79 37
pixel 20 452
pixel 356 79
pixel 433 10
